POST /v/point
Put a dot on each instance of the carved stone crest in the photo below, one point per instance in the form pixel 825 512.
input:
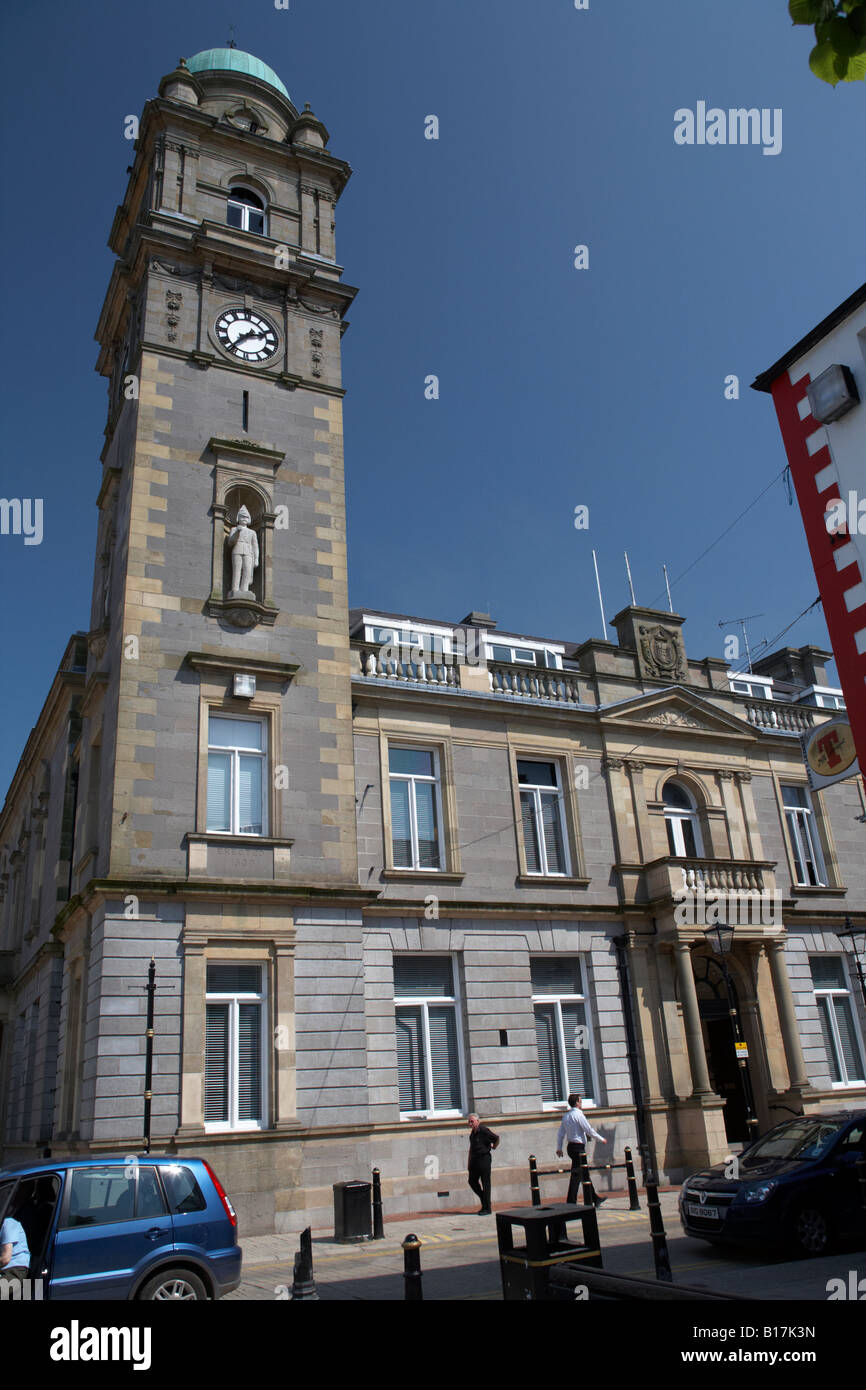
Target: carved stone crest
pixel 673 717
pixel 661 653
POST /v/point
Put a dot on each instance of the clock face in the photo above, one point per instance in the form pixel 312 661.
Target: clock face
pixel 246 335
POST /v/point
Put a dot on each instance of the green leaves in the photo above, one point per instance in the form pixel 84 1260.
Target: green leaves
pixel 839 54
pixel 813 11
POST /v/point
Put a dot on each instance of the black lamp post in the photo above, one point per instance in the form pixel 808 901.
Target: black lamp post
pixel 720 939
pixel 854 943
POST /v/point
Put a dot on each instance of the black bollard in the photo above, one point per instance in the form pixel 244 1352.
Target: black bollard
pixel 303 1283
pixel 660 1244
pixel 412 1270
pixel 633 1203
pixel 534 1191
pixel 378 1227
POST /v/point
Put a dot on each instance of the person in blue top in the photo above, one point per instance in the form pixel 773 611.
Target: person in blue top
pixel 14 1251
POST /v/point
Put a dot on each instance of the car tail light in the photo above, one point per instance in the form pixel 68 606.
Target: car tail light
pixel 221 1193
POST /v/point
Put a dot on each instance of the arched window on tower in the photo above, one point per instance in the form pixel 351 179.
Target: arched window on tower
pixel 246 211
pixel 681 819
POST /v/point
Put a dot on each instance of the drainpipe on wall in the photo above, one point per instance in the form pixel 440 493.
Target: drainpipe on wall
pixel 645 1146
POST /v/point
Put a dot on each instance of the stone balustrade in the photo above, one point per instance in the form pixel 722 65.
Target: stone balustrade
pixel 372 664
pixel 776 715
pixel 523 682
pixel 533 683
pixel 715 874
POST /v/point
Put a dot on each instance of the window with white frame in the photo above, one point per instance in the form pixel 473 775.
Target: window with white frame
pixel 844 1048
pixel 235 1029
pixel 525 656
pixel 803 837
pixel 681 820
pixel 542 819
pixel 246 211
pixel 236 783
pixel 429 1052
pixel 562 1029
pixel 416 808
pixel 423 644
pixel 761 690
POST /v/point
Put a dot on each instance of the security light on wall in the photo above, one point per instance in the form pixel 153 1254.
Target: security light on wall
pixel 832 394
pixel 244 686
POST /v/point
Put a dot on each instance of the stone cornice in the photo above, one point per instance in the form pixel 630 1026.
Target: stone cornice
pixel 244 450
pixel 227 661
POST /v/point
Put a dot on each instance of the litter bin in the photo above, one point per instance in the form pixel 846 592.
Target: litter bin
pixel 526 1267
pixel 353 1212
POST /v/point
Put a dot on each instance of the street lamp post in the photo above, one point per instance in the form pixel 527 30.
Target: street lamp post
pixel 854 941
pixel 720 939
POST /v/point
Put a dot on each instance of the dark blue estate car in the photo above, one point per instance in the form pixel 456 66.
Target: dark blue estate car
pixel 798 1184
pixel 136 1226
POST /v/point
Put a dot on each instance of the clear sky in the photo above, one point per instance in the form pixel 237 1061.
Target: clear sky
pixel 558 387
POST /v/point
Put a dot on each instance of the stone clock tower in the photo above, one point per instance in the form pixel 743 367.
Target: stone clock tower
pixel 216 816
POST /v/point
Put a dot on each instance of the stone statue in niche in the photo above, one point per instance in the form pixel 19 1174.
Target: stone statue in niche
pixel 244 546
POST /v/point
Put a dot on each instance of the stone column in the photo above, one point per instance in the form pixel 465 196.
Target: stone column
pixel 193 1041
pixel 635 770
pixel 750 815
pixel 787 1017
pixel 692 1020
pixel 622 811
pixel 285 1099
pixel 733 814
pixel 308 217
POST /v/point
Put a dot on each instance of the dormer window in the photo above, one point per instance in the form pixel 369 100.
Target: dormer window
pixel 246 211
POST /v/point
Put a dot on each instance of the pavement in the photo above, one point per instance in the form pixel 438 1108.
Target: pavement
pixel 460 1259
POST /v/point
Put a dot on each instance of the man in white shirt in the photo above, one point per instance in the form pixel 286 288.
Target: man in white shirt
pixel 575 1127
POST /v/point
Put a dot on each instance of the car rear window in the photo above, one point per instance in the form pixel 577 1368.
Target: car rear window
pixel 182 1189
pixel 101 1196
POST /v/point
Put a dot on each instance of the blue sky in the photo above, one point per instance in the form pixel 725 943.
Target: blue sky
pixel 558 387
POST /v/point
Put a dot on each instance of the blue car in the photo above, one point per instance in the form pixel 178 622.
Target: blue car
pixel 797 1185
pixel 139 1226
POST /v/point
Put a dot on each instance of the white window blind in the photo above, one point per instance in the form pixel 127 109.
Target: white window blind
pixel 429 1062
pixel 415 808
pixel 563 1030
pixel 236 772
pixel 234 1046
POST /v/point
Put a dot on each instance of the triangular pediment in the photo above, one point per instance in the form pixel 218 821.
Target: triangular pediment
pixel 679 710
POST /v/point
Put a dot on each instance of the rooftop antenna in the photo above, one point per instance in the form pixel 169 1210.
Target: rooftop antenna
pixel 232 43
pixel 742 621
pixel 628 572
pixel 600 604
pixel 668 587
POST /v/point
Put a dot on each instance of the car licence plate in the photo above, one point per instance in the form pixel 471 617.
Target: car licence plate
pixel 708 1213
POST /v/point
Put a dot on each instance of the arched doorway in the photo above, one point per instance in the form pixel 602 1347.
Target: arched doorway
pixel 726 1075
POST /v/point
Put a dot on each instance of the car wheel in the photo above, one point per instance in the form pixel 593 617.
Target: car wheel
pixel 173 1284
pixel 812 1232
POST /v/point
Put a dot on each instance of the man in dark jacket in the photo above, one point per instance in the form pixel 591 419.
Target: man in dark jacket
pixel 481 1141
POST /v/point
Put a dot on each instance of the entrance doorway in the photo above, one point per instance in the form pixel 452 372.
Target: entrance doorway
pixel 726 1075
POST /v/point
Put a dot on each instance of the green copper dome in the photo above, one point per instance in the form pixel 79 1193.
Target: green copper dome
pixel 235 60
